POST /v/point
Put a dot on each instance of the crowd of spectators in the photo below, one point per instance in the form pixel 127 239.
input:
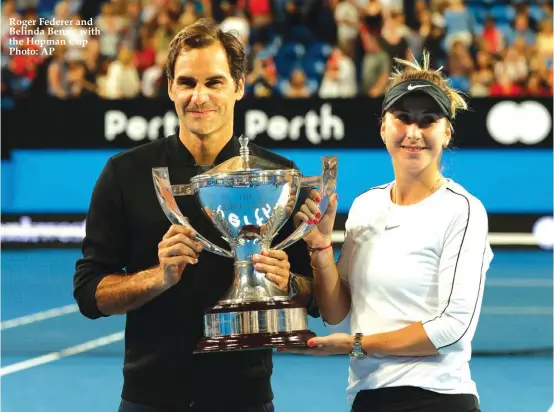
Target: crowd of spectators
pixel 296 48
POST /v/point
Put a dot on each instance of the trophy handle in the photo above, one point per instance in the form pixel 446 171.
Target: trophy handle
pixel 165 193
pixel 326 183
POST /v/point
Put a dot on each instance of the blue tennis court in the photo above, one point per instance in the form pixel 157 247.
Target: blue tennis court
pixel 55 360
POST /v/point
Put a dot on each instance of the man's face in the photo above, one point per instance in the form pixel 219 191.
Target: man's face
pixel 204 92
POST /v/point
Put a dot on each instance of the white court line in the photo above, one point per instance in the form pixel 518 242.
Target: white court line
pixel 51 357
pixel 36 317
pixel 68 309
pixel 515 310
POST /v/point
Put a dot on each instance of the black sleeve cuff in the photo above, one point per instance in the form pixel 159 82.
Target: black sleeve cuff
pixel 85 297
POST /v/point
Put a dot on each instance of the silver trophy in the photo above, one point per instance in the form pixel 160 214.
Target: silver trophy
pixel 249 199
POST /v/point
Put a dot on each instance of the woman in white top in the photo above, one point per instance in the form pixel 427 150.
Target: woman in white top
pixel 412 268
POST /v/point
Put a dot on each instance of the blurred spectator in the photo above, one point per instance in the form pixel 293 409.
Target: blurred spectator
pixel 145 55
pixel 173 8
pixel 153 83
pixel 9 38
pixel 252 54
pixel 297 86
pixel 413 10
pixel 8 11
pixel 545 43
pixel 392 40
pixel 102 77
pixel 263 80
pixel 484 74
pixel 259 12
pixel 111 27
pixel 119 6
pixel 521 30
pixel 477 87
pixel 438 7
pixel 75 39
pixel 424 26
pixel 376 67
pixel 151 8
pixel 433 44
pixel 401 26
pixel 524 50
pixel 57 74
pixel 122 81
pixel 492 39
pixel 535 86
pixel 460 67
pixel 236 23
pixel 406 33
pixel 513 65
pixel 392 6
pixel 77 83
pixel 91 60
pixel 459 23
pixel 347 18
pixel 62 11
pixel 550 81
pixel 505 87
pixel 189 14
pixel 165 32
pixel 131 33
pixel 19 75
pixel 373 18
pixel 339 78
pixel 7 79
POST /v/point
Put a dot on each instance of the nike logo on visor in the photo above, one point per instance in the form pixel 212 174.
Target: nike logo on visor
pixel 411 87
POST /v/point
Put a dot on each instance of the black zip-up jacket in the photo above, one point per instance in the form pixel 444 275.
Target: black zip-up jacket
pixel 124 225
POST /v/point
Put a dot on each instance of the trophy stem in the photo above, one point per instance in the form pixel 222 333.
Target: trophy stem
pixel 249 285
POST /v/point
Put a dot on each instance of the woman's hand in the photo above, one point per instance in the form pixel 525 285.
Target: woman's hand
pixel 334 344
pixel 309 212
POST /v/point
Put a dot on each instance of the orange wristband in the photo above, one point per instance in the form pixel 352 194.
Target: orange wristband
pixel 320 248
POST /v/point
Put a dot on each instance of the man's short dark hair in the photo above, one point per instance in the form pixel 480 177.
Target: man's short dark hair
pixel 204 33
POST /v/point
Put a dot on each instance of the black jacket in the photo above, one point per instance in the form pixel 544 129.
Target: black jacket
pixel 124 225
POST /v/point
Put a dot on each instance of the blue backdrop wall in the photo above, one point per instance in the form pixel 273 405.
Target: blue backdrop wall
pixel 506 180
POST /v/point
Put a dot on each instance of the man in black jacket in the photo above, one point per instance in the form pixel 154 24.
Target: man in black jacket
pixel 135 263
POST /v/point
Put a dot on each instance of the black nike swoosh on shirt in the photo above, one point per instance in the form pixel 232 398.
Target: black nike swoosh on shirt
pixel 391 227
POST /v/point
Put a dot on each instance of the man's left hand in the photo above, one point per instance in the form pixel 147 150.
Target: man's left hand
pixel 275 264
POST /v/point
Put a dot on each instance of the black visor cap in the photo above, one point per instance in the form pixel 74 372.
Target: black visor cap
pixel 417 86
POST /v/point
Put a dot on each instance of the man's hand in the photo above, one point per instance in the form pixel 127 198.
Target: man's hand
pixel 275 264
pixel 176 250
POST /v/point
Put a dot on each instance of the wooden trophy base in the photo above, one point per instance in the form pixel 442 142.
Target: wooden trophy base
pixel 251 326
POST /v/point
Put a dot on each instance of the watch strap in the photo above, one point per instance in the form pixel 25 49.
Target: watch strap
pixel 292 287
pixel 357 350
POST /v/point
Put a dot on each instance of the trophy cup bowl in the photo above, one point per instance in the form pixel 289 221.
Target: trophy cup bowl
pixel 249 199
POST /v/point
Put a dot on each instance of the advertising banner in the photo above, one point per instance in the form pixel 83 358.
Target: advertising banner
pixel 273 123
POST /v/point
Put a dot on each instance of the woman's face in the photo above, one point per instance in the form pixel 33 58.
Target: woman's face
pixel 415 131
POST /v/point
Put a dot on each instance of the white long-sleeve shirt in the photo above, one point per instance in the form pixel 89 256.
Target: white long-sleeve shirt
pixel 425 262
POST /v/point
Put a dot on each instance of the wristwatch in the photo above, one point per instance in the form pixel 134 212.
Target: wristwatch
pixel 357 351
pixel 292 285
